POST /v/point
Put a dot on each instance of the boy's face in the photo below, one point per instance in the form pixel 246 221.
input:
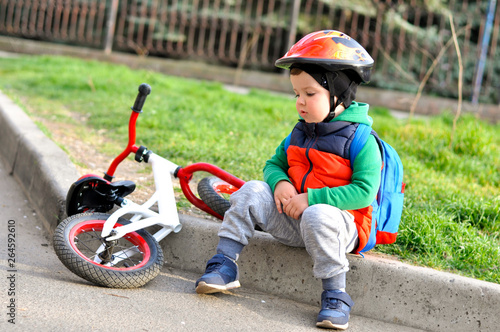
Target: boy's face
pixel 313 101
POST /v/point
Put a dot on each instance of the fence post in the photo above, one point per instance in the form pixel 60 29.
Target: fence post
pixel 485 43
pixel 110 27
pixel 293 26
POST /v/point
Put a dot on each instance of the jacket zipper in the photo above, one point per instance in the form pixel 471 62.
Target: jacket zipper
pixel 309 145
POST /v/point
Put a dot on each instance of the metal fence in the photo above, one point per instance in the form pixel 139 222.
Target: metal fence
pixel 405 38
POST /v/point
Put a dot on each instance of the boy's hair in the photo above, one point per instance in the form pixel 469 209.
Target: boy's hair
pixel 318 76
pixel 295 71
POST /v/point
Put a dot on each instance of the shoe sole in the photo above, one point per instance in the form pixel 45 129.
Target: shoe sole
pixel 204 288
pixel 329 325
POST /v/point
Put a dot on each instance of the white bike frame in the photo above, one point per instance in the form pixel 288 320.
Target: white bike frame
pixel 143 216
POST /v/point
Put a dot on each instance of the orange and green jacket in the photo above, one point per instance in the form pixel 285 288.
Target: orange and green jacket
pixel 317 162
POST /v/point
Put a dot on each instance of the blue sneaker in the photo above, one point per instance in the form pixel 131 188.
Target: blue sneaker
pixel 221 274
pixel 335 308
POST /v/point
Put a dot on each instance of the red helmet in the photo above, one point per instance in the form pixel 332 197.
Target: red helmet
pixel 332 50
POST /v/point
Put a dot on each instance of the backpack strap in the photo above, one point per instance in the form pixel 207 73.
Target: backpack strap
pixel 287 142
pixel 360 138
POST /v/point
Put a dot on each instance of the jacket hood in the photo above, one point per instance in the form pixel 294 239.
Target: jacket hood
pixel 356 112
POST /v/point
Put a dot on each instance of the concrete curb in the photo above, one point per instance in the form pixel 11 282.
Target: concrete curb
pixel 383 289
pixel 44 171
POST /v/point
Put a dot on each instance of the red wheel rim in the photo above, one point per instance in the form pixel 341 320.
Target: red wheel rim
pixel 224 188
pixel 134 238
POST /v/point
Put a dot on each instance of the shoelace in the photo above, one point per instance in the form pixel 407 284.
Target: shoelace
pixel 213 266
pixel 333 303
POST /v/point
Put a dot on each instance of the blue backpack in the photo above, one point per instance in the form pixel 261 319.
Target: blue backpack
pixel 388 205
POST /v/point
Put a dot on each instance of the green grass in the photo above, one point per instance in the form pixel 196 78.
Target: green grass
pixel 452 203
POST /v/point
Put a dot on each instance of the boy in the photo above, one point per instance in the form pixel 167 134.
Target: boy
pixel 312 197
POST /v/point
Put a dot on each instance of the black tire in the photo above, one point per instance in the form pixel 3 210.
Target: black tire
pixel 77 238
pixel 215 193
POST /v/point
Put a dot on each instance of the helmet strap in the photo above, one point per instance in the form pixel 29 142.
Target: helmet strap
pixel 338 81
pixel 330 78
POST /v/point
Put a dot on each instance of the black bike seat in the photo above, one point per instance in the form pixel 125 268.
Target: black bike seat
pixel 124 187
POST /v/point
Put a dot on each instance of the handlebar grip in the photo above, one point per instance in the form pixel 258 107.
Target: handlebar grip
pixel 144 91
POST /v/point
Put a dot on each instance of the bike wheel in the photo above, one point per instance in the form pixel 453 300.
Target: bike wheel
pixel 128 262
pixel 215 193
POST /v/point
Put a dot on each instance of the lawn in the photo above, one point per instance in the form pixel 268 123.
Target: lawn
pixel 452 199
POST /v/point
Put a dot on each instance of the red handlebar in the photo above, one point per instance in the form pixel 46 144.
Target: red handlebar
pixel 144 91
pixel 131 147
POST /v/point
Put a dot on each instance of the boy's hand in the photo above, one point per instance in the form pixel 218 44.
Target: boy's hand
pixel 295 206
pixel 283 192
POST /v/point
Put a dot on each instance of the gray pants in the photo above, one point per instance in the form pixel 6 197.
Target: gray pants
pixel 326 232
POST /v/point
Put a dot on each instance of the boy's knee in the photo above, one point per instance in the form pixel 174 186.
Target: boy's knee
pixel 317 211
pixel 251 191
pixel 255 186
pixel 320 214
